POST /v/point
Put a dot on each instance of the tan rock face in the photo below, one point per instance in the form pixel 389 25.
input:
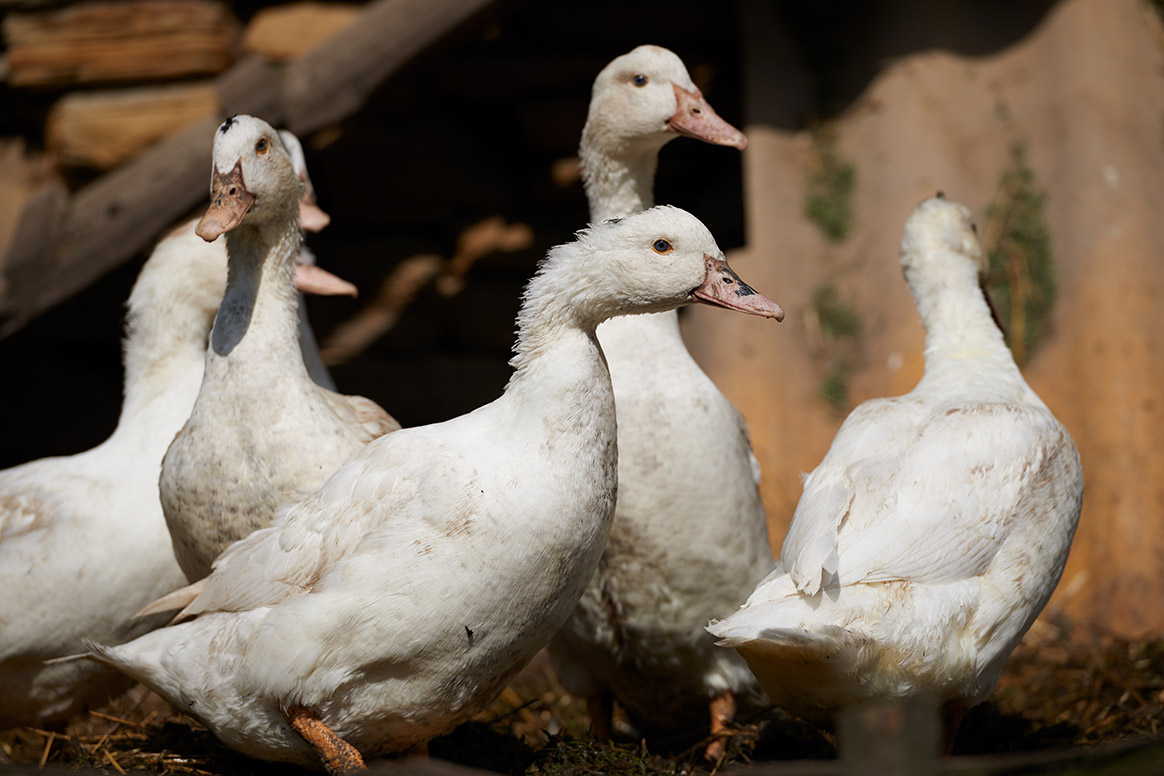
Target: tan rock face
pixel 1082 92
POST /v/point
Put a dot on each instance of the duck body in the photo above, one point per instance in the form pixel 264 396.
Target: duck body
pixel 689 538
pixel 935 529
pixel 262 433
pixel 386 646
pixel 83 541
pixel 399 598
pixel 83 544
pixel 676 555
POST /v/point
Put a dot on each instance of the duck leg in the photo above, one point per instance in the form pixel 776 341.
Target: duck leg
pixel 952 713
pixel 601 710
pixel 723 711
pixel 339 757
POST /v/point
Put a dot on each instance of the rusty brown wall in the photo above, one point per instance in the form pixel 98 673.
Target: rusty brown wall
pixel 1083 91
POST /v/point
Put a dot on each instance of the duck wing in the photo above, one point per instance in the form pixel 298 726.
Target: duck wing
pixel 362 414
pixel 941 506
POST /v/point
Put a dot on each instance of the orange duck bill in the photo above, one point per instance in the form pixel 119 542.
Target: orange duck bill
pixel 229 203
pixel 694 117
pixel 722 287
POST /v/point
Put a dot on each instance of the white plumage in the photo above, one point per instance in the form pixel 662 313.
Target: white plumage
pixel 261 434
pixel 936 527
pixel 399 598
pixel 83 543
pixel 690 538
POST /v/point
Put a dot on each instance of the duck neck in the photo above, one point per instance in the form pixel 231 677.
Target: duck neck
pixel 557 349
pixel 164 351
pixel 959 325
pixel 619 176
pixel 258 318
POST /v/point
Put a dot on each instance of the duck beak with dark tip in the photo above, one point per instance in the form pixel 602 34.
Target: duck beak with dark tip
pixel 694 117
pixel 229 203
pixel 722 287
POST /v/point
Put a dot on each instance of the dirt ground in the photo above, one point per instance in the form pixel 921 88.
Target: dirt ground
pixel 1061 689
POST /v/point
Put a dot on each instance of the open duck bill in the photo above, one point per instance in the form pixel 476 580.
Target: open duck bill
pixel 229 203
pixel 694 117
pixel 312 279
pixel 722 287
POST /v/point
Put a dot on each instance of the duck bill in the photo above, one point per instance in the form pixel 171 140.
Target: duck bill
pixel 312 218
pixel 722 287
pixel 229 203
pixel 312 279
pixel 694 117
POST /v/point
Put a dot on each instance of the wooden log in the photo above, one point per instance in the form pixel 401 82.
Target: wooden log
pixel 333 79
pixel 901 737
pixel 30 243
pixel 117 41
pixel 104 129
pixel 109 221
pixel 284 32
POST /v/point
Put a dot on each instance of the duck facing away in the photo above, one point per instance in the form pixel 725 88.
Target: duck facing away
pixel 398 599
pixel 262 434
pixel 83 542
pixel 690 538
pixel 933 532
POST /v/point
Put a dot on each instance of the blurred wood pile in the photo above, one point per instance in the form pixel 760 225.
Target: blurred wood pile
pixel 140 87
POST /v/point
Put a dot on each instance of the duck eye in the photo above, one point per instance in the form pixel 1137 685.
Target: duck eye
pixel 974 228
pixel 639 80
pixel 662 246
pixel 261 146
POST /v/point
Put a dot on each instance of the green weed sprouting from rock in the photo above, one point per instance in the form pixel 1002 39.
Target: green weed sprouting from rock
pixel 1022 273
pixel 837 319
pixel 829 198
pixel 834 386
pixel 839 324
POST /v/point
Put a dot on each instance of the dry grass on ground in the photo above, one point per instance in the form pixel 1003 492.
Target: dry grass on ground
pixel 1060 689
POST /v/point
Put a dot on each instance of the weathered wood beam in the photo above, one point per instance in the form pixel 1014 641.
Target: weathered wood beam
pixel 76 240
pixel 332 80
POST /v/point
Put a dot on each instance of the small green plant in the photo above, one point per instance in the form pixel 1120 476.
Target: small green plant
pixel 829 199
pixel 834 386
pixel 1022 273
pixel 837 319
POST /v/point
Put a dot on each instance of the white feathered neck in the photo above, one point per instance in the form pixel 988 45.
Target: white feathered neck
pixel 944 266
pixel 260 309
pixel 168 318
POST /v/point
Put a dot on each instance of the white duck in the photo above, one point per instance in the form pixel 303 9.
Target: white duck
pixel 690 539
pixel 934 530
pixel 398 599
pixel 262 434
pixel 83 543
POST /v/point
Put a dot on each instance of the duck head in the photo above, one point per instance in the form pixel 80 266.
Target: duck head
pixel 941 239
pixel 252 177
pixel 663 258
pixel 647 98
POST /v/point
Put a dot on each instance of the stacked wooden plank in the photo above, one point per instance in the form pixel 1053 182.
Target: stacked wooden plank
pixel 142 85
